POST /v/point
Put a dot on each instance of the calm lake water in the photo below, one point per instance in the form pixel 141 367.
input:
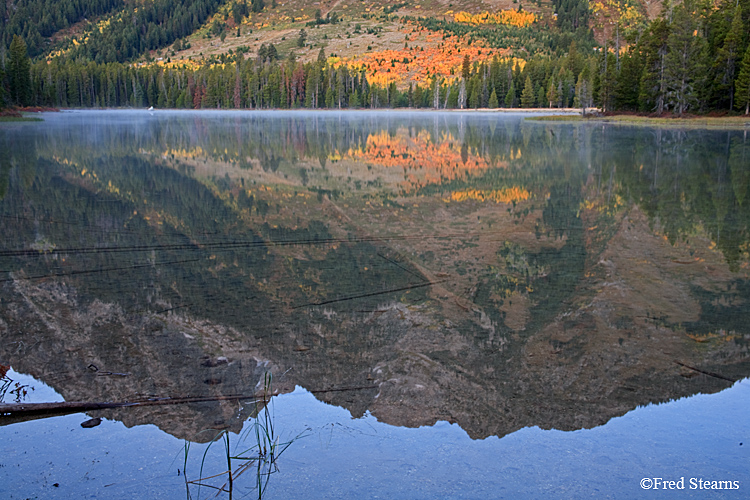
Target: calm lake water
pixel 373 305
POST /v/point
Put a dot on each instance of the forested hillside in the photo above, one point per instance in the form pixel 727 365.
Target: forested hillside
pixel 36 21
pixel 140 28
pixel 694 57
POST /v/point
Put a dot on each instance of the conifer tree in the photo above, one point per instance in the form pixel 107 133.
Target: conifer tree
pixel 237 95
pixel 273 54
pixel 510 97
pixel 683 60
pixel 493 104
pixel 466 67
pixel 628 80
pixel 573 61
pixel 311 89
pixel 653 85
pixel 728 57
pixel 19 73
pixel 541 96
pixel 552 94
pixel 566 87
pixel 239 11
pixel 584 89
pixel 2 86
pixel 474 98
pixel 257 5
pixel 607 80
pixel 527 95
pixel 742 84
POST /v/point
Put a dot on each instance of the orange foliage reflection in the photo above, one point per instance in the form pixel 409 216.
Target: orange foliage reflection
pixel 423 161
pixel 507 195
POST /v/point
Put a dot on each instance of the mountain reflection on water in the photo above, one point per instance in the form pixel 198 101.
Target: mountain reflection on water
pixel 473 268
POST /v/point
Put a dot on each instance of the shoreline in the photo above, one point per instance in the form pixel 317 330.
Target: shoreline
pixel 734 122
pixel 571 115
pixel 547 111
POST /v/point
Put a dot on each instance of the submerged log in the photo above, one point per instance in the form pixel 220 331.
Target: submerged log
pixel 67 407
pixel 710 374
pixel 13 410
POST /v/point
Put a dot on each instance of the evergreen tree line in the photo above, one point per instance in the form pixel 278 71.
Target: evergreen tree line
pixel 267 82
pixel 690 59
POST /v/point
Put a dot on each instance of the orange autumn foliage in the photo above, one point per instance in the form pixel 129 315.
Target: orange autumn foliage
pixel 509 17
pixel 425 55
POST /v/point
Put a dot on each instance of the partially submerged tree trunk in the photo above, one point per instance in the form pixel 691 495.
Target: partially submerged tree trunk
pixel 66 407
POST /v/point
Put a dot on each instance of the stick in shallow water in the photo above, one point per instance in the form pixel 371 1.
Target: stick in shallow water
pixel 66 407
pixel 710 374
pixel 370 294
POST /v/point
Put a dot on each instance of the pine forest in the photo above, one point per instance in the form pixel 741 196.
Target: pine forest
pixel 616 55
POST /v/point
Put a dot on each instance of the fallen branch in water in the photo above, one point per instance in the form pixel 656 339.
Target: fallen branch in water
pixel 341 389
pixel 66 407
pixel 371 294
pixel 710 374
